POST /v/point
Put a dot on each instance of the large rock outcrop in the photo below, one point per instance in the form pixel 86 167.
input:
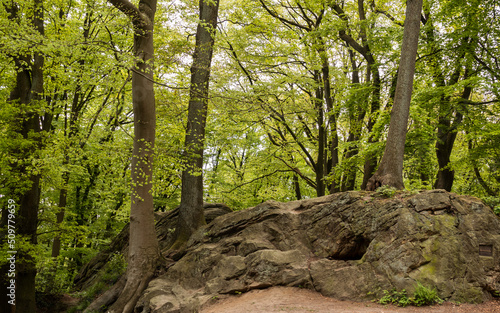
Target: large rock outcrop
pixel 349 245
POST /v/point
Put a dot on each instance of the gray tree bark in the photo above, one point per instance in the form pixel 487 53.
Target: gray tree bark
pixel 191 214
pixel 143 245
pixel 390 171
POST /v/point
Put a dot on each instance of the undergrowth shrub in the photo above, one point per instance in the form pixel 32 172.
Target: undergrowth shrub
pixel 386 191
pixel 422 296
pixel 108 275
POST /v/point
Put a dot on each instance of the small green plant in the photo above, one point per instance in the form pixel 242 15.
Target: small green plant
pixel 108 275
pixel 399 298
pixel 422 296
pixel 386 191
pixel 116 266
pixel 411 192
pixel 425 296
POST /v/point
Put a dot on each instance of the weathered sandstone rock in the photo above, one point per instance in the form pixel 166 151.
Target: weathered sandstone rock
pixel 349 245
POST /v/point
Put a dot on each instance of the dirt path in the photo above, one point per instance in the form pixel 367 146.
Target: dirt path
pixel 295 300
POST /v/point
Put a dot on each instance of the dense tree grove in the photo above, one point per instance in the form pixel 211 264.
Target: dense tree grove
pixel 298 106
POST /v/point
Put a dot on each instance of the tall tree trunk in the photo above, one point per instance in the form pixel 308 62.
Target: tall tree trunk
pixel 390 171
pixel 320 124
pixel 447 133
pixel 332 144
pixel 365 51
pixel 144 252
pixel 356 118
pixel 447 126
pixel 25 190
pixel 191 214
pixel 371 159
pixel 296 187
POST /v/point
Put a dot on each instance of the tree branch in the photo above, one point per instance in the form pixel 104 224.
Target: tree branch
pixel 309 181
pixel 257 178
pixel 129 9
pixel 470 102
pixel 283 20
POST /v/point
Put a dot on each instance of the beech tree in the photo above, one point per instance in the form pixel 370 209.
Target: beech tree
pixel 143 255
pixel 390 171
pixel 26 130
pixel 364 48
pixel 191 214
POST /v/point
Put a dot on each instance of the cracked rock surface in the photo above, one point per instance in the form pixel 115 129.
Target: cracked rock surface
pixel 350 245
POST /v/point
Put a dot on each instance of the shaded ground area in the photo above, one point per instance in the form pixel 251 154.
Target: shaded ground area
pixel 48 303
pixel 296 300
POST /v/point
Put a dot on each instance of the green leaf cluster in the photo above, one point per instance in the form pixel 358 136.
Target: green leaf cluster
pixel 422 296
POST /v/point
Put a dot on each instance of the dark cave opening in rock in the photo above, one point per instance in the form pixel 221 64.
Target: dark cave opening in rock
pixel 351 249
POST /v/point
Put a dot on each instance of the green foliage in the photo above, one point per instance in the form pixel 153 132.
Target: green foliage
pixel 425 296
pixel 494 203
pixel 107 276
pixel 399 298
pixel 385 191
pixel 422 296
pixel 114 268
pixel 54 277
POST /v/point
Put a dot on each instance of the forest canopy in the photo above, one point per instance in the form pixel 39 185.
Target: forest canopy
pixel 299 106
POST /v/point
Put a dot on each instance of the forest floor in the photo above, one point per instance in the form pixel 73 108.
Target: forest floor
pixel 296 300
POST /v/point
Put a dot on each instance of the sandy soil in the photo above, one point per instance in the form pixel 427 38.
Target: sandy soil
pixel 295 300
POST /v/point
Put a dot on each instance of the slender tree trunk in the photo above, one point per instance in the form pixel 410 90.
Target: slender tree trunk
pixel 447 133
pixel 356 118
pixel 191 214
pixel 333 143
pixel 365 51
pixel 25 190
pixel 371 159
pixel 143 244
pixel 390 171
pixel 296 187
pixel 56 244
pixel 320 123
pixel 447 127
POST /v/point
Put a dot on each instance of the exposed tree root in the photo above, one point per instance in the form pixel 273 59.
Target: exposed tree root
pixel 107 297
pixel 130 295
pixel 378 180
pixel 123 296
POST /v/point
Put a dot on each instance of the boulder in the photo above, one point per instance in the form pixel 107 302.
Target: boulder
pixel 165 226
pixel 349 245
